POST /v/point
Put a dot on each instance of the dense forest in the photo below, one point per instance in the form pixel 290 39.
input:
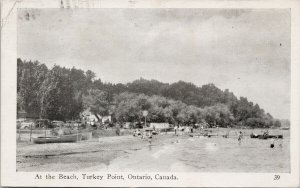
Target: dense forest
pixel 61 93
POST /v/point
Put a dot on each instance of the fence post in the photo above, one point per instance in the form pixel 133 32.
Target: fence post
pixel 30 132
pixel 19 139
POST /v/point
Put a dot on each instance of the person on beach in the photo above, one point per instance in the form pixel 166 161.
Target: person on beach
pixel 266 133
pixel 273 142
pixel 240 137
pixel 150 138
pixel 143 135
pixel 118 131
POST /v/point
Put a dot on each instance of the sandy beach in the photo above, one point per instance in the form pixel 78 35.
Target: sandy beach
pixel 167 152
pixel 80 155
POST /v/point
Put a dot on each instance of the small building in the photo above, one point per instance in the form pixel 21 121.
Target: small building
pixel 91 118
pixel 105 119
pixel 159 125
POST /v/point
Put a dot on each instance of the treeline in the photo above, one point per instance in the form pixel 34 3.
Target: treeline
pixel 62 94
pixel 128 108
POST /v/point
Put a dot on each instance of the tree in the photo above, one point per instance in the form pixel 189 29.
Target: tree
pixel 255 122
pixel 61 93
pixel 97 101
pixel 147 87
pixel 218 115
pixel 30 76
pixel 79 80
pixel 20 102
pixel 90 76
pixel 277 123
pixel 57 96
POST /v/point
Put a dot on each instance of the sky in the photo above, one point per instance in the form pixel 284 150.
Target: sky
pixel 244 50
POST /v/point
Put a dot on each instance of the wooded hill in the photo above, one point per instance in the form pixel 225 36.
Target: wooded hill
pixel 60 93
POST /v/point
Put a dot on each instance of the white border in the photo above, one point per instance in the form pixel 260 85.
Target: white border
pixel 9 176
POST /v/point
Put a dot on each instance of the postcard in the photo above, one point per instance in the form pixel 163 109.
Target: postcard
pixel 150 93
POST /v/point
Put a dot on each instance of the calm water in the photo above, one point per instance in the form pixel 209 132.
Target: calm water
pixel 201 154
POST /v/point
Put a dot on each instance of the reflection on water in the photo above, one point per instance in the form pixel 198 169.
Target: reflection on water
pixel 197 154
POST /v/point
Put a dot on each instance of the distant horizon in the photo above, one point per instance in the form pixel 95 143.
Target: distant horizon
pixel 245 50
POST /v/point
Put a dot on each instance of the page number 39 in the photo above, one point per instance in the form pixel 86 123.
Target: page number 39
pixel 276 177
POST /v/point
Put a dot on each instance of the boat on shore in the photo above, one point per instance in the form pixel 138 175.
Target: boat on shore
pixel 284 128
pixel 265 136
pixel 275 136
pixel 57 139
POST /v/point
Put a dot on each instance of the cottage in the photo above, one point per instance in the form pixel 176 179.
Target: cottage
pixel 159 126
pixel 92 118
pixel 106 119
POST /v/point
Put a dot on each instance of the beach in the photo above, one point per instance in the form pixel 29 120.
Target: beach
pixel 167 152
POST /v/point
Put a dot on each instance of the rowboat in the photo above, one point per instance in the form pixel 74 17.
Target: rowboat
pixel 57 139
pixel 284 128
pixel 265 136
pixel 275 136
pixel 269 136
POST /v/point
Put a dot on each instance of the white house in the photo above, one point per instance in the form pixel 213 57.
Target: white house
pixel 159 125
pixel 106 119
pixel 91 118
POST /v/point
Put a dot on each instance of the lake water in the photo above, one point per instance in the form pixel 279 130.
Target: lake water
pixel 202 154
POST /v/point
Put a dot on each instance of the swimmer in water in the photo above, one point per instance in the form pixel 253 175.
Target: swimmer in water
pixel 273 143
pixel 280 144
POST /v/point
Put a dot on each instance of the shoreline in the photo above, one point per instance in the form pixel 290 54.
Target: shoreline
pixel 103 150
pixel 101 153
